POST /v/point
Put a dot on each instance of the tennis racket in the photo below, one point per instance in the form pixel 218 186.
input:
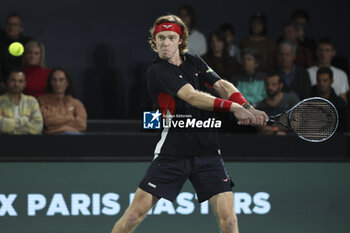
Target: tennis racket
pixel 314 119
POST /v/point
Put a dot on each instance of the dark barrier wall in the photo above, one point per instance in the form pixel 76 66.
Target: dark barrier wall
pixel 140 146
pixel 90 197
pixel 104 43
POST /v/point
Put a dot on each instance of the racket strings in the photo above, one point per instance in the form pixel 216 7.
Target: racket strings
pixel 314 120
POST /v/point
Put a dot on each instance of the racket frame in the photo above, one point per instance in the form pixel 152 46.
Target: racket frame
pixel 289 114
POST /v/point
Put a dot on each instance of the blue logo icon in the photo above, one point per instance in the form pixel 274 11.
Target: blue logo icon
pixel 151 120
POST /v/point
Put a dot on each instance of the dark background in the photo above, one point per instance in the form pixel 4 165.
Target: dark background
pixel 104 43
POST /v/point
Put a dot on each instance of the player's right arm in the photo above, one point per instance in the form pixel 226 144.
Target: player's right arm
pixel 206 101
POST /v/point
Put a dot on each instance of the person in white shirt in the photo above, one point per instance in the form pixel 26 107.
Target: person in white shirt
pixel 196 40
pixel 325 52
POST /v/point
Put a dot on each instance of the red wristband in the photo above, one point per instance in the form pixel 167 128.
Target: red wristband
pixel 221 105
pixel 238 98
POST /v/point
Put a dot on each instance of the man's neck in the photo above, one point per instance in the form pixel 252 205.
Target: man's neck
pixel 325 95
pixel 176 60
pixel 328 65
pixel 287 70
pixel 15 97
pixel 274 100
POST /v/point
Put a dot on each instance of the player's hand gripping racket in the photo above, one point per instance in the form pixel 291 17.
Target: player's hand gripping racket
pixel 314 119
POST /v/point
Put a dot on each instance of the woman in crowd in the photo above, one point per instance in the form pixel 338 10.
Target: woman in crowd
pixel 218 57
pixel 34 68
pixel 251 82
pixel 62 113
pixel 258 40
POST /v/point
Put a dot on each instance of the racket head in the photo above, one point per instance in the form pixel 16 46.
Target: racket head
pixel 314 119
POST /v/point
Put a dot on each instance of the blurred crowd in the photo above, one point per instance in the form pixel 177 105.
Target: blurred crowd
pixel 273 74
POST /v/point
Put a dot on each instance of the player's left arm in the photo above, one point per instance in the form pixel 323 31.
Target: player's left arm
pixel 228 91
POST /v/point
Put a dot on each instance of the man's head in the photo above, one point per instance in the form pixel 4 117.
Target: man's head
pixel 229 32
pixel 273 84
pixel 188 16
pixel 291 31
pixel 301 17
pixel 325 52
pixel 324 80
pixel 13 26
pixel 168 36
pixel 286 54
pixel 16 82
pixel 258 24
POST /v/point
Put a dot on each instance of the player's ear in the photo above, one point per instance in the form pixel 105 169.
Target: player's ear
pixel 180 41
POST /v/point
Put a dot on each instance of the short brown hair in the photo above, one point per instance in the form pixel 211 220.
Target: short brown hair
pixel 170 19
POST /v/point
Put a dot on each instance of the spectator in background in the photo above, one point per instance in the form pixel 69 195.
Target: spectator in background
pixel 325 52
pixel 301 17
pixel 258 40
pixel 276 102
pixel 296 79
pixel 218 58
pixel 251 82
pixel 13 33
pixel 62 113
pixel 19 113
pixel 196 40
pixel 232 49
pixel 303 57
pixel 35 68
pixel 323 88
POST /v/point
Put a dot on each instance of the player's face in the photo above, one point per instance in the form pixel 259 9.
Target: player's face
pixel 325 53
pixel 323 83
pixel 273 86
pixel 59 82
pixel 33 56
pixel 285 56
pixel 16 83
pixel 13 27
pixel 167 44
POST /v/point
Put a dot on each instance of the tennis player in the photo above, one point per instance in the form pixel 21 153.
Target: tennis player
pixel 176 82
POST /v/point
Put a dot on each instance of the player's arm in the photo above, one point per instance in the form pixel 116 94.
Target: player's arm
pixel 228 91
pixel 206 101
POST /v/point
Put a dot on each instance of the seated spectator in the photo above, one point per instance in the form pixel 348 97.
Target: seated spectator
pixel 296 79
pixel 232 49
pixel 19 113
pixel 251 82
pixel 218 58
pixel 276 102
pixel 323 88
pixel 258 40
pixel 304 57
pixel 13 33
pixel 196 40
pixel 35 69
pixel 325 52
pixel 301 17
pixel 62 113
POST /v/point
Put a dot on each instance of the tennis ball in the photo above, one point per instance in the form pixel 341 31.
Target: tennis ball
pixel 16 49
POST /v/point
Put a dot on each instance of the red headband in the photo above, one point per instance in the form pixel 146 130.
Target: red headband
pixel 168 27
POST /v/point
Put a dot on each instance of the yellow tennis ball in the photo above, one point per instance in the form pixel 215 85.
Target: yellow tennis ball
pixel 16 49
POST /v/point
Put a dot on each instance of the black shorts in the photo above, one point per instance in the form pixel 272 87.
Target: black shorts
pixel 207 173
